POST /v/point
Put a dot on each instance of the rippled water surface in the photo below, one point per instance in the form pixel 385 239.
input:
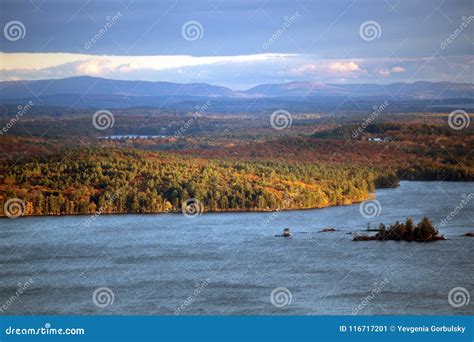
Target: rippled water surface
pixel 229 263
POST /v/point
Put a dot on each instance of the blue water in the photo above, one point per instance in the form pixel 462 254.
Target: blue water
pixel 154 264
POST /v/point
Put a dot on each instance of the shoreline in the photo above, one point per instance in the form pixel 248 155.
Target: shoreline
pixel 370 197
pixel 179 212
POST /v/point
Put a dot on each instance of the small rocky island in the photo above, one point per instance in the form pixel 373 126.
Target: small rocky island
pixel 422 232
pixel 286 233
pixel 327 230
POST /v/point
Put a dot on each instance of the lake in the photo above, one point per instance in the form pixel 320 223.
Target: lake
pixel 229 263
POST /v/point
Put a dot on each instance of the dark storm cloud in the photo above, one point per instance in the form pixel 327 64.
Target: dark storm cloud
pixel 326 28
pixel 408 45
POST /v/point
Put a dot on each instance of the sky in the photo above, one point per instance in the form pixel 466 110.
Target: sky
pixel 239 44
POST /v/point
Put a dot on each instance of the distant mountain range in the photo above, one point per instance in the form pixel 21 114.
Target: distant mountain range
pixel 94 92
pixel 86 85
pixel 417 90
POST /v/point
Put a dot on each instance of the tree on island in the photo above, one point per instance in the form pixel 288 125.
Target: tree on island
pixel 423 232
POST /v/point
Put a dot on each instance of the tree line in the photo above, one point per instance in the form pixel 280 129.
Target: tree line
pixel 86 180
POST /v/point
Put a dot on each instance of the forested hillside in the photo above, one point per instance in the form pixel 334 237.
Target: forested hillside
pixel 83 181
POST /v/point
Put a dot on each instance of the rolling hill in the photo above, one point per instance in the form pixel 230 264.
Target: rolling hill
pixel 86 91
